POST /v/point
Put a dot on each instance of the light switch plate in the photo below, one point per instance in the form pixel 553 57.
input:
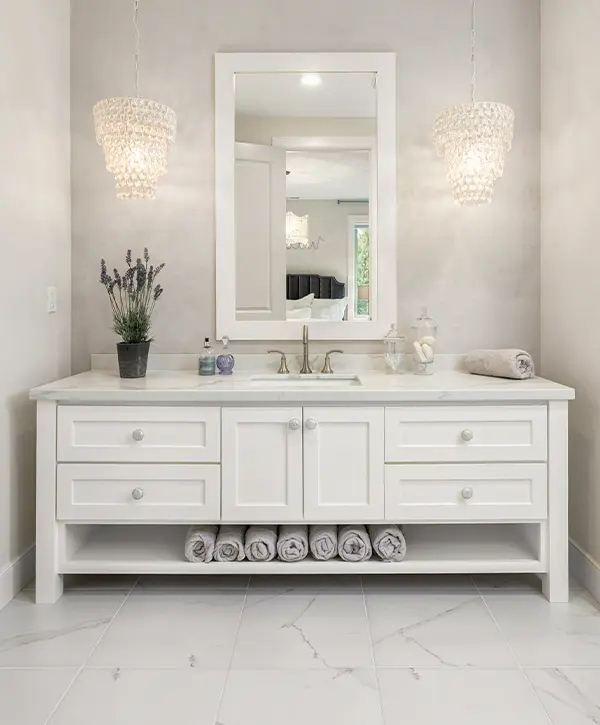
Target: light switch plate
pixel 52 302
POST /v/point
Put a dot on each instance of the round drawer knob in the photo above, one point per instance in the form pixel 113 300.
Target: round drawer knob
pixel 467 493
pixel 137 494
pixel 295 424
pixel 467 435
pixel 138 435
pixel 311 424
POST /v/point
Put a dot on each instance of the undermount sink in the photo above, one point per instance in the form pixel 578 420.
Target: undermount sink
pixel 293 381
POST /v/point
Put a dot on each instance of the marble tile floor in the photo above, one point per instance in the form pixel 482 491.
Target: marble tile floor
pixel 297 650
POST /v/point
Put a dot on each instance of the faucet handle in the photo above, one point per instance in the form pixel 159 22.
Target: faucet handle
pixel 283 368
pixel 327 369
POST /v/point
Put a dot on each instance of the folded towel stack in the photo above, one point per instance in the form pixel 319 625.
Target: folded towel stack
pixel 324 541
pixel 354 543
pixel 516 364
pixel 200 544
pixel 292 544
pixel 261 543
pixel 230 544
pixel 388 542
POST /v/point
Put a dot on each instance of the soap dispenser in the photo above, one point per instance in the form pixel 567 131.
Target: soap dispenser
pixel 225 360
pixel 206 363
pixel 393 347
pixel 424 340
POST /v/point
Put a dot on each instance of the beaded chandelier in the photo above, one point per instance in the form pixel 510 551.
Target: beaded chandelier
pixel 474 139
pixel 136 135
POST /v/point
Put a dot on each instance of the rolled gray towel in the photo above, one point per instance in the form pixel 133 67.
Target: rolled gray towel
pixel 323 540
pixel 200 544
pixel 261 543
pixel 354 543
pixel 388 542
pixel 516 364
pixel 292 543
pixel 230 544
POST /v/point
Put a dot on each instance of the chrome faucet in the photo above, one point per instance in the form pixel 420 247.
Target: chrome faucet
pixel 306 369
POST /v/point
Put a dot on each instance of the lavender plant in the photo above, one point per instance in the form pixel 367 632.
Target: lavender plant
pixel 133 296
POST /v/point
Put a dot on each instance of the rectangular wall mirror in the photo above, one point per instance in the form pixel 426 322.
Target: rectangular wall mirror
pixel 306 195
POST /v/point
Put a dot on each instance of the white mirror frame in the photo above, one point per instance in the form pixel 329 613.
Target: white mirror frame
pixel 227 65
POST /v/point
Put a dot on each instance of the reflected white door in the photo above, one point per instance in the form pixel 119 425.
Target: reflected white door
pixel 260 208
pixel 343 464
pixel 262 464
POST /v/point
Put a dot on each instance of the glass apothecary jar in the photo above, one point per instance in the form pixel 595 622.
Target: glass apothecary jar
pixel 424 336
pixel 393 349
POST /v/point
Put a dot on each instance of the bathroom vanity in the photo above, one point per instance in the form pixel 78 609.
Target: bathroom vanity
pixel 474 468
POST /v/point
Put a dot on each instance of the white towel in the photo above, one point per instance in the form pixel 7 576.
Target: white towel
pixel 292 543
pixel 516 364
pixel 261 543
pixel 354 543
pixel 323 541
pixel 388 542
pixel 230 544
pixel 200 544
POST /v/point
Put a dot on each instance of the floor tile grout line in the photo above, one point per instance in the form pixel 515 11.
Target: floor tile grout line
pixel 512 651
pixel 237 631
pixel 377 683
pixel 87 659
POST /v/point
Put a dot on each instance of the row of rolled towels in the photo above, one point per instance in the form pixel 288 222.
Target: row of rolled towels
pixel 291 543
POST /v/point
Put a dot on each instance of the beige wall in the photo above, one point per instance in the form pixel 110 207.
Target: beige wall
pixel 35 241
pixel 477 270
pixel 571 242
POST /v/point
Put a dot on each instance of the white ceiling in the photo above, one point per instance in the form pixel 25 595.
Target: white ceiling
pixel 340 95
pixel 328 174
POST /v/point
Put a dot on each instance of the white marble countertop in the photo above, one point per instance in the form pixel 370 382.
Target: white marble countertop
pixel 103 386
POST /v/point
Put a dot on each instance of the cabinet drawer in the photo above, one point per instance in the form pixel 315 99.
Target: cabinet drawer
pixel 137 434
pixel 456 433
pixel 466 492
pixel 138 492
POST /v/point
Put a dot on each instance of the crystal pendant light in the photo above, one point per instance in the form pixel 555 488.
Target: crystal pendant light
pixel 135 134
pixel 474 139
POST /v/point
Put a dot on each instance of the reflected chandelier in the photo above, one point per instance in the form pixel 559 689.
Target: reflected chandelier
pixel 135 134
pixel 474 139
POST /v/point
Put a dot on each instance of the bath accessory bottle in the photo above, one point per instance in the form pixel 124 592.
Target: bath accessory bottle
pixel 393 347
pixel 225 361
pixel 206 363
pixel 424 340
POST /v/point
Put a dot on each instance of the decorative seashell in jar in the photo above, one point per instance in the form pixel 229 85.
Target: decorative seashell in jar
pixel 424 340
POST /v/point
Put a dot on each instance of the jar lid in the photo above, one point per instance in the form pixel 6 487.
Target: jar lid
pixel 424 320
pixel 393 334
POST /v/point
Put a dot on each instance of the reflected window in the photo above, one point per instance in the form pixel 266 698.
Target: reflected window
pixel 360 244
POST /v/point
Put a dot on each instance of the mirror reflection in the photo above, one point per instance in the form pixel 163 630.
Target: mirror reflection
pixel 305 178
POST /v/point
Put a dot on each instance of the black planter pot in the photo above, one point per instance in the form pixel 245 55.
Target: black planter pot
pixel 133 359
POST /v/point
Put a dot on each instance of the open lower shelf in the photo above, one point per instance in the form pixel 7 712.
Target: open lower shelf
pixel 431 549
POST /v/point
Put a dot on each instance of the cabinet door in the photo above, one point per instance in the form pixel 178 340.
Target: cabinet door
pixel 262 465
pixel 343 464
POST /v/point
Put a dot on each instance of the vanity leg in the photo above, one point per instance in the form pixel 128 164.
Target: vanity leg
pixel 555 583
pixel 48 582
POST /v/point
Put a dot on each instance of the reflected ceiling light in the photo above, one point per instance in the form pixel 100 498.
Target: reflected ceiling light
pixel 474 139
pixel 311 79
pixel 136 135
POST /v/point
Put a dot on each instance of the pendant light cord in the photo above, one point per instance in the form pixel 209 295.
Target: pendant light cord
pixel 473 69
pixel 136 5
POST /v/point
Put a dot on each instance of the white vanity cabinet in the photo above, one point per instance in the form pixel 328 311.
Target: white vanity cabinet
pixel 474 470
pixel 343 464
pixel 262 464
